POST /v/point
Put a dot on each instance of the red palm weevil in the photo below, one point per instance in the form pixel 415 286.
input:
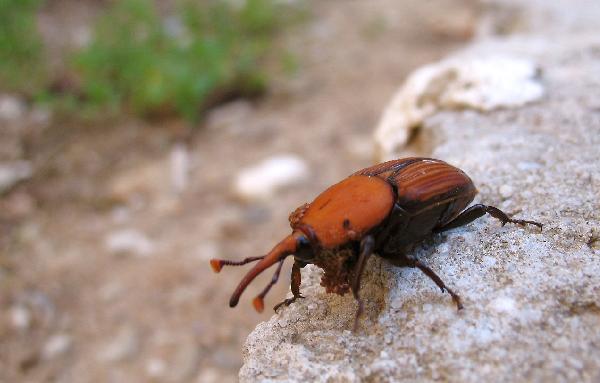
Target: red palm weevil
pixel 385 210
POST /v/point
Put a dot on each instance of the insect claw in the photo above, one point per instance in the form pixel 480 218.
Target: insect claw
pixel 456 299
pixel 287 302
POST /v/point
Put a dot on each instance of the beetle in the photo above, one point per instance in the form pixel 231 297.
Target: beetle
pixel 385 209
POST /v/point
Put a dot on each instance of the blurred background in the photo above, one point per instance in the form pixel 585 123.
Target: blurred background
pixel 140 138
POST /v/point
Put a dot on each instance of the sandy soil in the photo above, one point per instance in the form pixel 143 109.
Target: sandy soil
pixel 73 310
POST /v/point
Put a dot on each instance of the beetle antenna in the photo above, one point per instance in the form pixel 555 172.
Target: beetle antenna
pixel 217 264
pixel 258 302
pixel 284 248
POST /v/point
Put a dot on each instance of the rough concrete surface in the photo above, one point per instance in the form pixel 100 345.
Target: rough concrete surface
pixel 532 299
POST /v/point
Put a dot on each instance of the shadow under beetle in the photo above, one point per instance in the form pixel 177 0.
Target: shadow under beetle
pixel 385 210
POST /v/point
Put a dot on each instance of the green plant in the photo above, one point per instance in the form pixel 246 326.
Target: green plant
pixel 20 47
pixel 204 53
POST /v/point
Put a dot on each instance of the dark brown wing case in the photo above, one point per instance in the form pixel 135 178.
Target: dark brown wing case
pixel 422 183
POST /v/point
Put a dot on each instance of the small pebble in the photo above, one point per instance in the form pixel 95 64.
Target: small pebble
pixel 56 346
pixel 503 304
pixel 130 241
pixel 11 108
pixel 262 180
pixel 124 345
pixel 20 317
pixel 155 368
pixel 506 191
pixel 14 172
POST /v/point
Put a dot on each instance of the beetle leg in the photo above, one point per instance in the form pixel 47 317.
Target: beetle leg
pixel 479 210
pixel 438 281
pixel 258 302
pixel 405 261
pixel 295 286
pixel 367 246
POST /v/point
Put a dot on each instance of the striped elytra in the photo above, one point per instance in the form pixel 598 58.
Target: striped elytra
pixel 421 183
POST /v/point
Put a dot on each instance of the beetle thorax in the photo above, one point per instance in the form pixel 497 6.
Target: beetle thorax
pixel 337 266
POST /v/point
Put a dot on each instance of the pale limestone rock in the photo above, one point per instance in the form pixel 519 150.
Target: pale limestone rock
pixel 532 311
pixel 483 83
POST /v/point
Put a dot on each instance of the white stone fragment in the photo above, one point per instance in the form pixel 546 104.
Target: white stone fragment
pixel 155 368
pixel 530 296
pixel 129 241
pixel 493 82
pixel 481 83
pixel 504 305
pixel 13 172
pixel 20 317
pixel 56 346
pixel 262 180
pixel 180 167
pixel 11 108
pixel 506 191
pixel 124 345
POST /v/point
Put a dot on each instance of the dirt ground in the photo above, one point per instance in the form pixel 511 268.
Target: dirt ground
pixel 75 309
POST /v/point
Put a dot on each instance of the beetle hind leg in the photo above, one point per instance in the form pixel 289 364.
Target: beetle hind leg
pixel 405 261
pixel 476 211
pixel 438 281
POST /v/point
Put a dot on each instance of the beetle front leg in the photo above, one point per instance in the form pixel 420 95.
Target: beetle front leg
pixel 476 211
pixel 295 286
pixel 367 245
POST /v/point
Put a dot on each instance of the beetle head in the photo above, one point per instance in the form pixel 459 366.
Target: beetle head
pixel 305 251
pixel 295 243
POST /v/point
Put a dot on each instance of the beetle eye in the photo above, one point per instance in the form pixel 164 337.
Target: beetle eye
pixel 302 241
pixel 303 249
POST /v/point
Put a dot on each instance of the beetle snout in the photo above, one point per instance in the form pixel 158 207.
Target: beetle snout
pixel 277 255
